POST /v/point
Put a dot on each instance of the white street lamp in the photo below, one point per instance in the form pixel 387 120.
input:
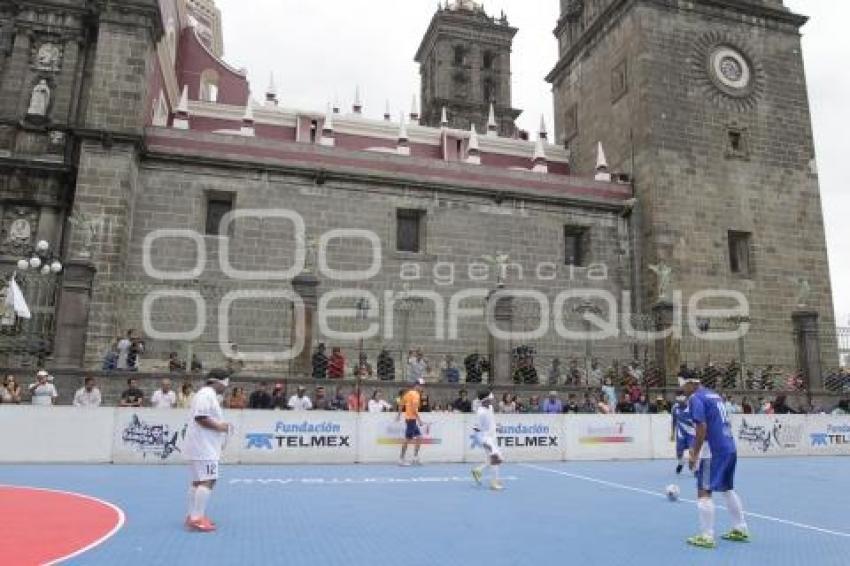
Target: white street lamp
pixel 42 246
pixel 56 267
pixel 35 262
pixel 23 265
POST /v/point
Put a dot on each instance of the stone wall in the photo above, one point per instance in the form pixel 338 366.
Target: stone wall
pixel 458 230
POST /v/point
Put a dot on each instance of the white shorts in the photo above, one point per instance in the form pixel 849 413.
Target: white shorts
pixel 204 470
pixel 491 446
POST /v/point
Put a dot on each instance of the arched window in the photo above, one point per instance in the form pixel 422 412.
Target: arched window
pixel 459 55
pixel 488 91
pixel 209 86
pixel 489 60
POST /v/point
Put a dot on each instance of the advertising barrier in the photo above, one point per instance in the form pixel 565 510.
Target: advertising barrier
pixel 55 434
pixel 151 436
pixel 521 437
pixel 156 436
pixel 381 436
pixel 608 437
pixel 769 435
pixel 828 435
pixel 662 447
pixel 287 437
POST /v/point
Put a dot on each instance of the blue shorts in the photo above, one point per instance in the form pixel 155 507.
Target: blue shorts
pixel 412 430
pixel 717 473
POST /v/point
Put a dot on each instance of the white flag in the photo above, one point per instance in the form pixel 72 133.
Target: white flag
pixel 15 300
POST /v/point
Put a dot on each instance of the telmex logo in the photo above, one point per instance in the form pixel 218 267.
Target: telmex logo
pixel 299 435
pixel 521 436
pixel 839 434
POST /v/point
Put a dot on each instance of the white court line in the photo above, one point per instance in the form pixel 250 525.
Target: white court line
pixel 663 496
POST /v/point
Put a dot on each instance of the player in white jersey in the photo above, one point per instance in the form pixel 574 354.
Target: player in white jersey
pixel 485 435
pixel 205 437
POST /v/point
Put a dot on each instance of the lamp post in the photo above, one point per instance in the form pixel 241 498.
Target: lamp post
pixel 41 260
pixel 362 308
pixel 407 303
pixel 704 325
pixel 742 353
pixel 584 309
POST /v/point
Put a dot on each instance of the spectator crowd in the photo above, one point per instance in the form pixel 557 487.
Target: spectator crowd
pixel 606 399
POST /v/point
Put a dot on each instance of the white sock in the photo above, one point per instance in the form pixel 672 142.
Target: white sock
pixel 495 474
pixel 202 495
pixel 706 516
pixel 736 509
pixel 191 500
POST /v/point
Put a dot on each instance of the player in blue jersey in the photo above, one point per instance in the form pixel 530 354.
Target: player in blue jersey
pixel 713 458
pixel 682 429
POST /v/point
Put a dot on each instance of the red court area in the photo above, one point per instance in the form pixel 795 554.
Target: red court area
pixel 43 527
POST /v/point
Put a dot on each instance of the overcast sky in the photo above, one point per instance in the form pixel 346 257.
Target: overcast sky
pixel 322 49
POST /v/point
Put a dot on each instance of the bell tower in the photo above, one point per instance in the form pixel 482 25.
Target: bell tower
pixel 465 65
pixel 704 104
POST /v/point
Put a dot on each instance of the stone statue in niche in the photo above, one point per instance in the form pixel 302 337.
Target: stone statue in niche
pixel 87 226
pixel 48 56
pixel 574 9
pixel 311 246
pixel 500 261
pixel 804 291
pixel 19 227
pixel 664 273
pixel 20 231
pixel 40 100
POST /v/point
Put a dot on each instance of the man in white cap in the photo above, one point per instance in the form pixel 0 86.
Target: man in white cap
pixel 43 391
pixel 713 459
pixel 205 437
pixel 485 436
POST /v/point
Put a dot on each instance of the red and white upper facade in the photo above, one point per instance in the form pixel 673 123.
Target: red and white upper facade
pixel 197 93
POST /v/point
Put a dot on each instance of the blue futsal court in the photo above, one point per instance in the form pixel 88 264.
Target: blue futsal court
pixel 551 513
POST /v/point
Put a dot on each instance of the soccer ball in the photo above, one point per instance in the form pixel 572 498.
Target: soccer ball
pixel 672 492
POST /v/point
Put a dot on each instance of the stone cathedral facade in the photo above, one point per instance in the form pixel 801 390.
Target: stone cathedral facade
pixel 125 140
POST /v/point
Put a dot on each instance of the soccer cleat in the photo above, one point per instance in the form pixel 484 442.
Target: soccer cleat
pixel 188 522
pixel 202 525
pixel 679 469
pixel 496 486
pixel 702 541
pixel 736 535
pixel 476 475
pixel 404 463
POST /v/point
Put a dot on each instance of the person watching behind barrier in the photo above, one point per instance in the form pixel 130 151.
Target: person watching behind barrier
pixel 43 392
pixel 132 396
pixel 300 401
pixel 377 404
pixel 10 392
pixel 88 396
pixel 187 393
pixel 164 397
pixel 237 399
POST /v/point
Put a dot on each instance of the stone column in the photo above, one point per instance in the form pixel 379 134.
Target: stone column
pixel 499 350
pixel 72 314
pixel 306 286
pixel 807 336
pixel 668 349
